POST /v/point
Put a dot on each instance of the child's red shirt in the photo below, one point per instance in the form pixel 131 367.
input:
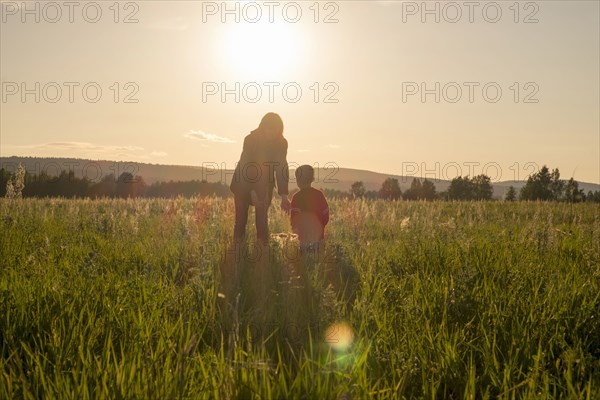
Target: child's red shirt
pixel 310 200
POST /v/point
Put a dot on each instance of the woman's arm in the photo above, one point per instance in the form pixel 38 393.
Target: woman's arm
pixel 282 176
pixel 282 171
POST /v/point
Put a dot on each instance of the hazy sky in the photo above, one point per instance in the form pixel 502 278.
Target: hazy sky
pixel 373 59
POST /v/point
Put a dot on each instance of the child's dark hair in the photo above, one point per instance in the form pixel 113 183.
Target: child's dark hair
pixel 305 174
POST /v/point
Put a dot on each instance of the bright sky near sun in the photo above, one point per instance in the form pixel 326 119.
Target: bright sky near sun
pixel 490 87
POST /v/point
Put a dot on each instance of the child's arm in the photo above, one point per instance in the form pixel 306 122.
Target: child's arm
pixel 293 212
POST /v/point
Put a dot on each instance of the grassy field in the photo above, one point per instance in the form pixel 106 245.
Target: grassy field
pixel 148 299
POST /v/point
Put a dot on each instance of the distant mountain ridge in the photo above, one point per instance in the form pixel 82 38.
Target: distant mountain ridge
pixel 325 178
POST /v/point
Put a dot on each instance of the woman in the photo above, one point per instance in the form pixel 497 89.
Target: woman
pixel 262 163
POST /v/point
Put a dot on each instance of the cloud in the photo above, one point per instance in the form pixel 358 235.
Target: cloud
pixel 303 151
pixel 78 149
pixel 334 146
pixel 207 137
pixel 88 147
pixel 81 146
pixel 159 154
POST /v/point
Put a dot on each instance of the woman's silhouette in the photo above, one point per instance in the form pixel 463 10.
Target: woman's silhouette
pixel 262 163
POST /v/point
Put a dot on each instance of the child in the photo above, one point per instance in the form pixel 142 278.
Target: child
pixel 309 209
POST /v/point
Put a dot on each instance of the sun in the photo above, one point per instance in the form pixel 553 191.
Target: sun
pixel 262 50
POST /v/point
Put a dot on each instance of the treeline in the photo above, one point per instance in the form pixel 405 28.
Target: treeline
pixel 543 185
pixel 461 188
pixel 546 185
pixel 125 186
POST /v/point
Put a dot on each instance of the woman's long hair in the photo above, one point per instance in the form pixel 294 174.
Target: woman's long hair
pixel 271 124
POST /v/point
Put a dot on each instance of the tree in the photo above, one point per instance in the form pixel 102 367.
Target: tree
pixel 593 197
pixel 443 195
pixel 482 187
pixel 414 192
pixel 460 189
pixel 557 186
pixel 357 190
pixel 372 194
pixel 130 186
pixel 420 191
pixel 105 188
pixel 428 190
pixel 140 186
pixel 390 189
pixel 537 186
pixel 572 192
pixel 476 188
pixel 511 195
pixel 4 178
pixel 543 185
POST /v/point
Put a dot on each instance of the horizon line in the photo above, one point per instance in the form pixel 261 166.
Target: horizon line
pixel 228 169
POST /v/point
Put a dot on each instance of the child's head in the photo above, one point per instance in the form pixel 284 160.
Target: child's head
pixel 305 175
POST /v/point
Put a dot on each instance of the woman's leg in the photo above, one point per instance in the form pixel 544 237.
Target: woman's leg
pixel 242 202
pixel 262 222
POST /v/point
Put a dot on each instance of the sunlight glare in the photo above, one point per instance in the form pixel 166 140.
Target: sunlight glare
pixel 263 49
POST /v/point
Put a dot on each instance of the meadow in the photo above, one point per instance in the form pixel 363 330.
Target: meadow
pixel 147 299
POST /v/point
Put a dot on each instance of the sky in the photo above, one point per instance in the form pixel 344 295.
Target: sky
pixel 434 89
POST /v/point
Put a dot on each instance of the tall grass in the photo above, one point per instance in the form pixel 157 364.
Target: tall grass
pixel 150 299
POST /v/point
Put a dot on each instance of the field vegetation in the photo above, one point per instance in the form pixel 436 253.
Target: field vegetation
pixel 149 299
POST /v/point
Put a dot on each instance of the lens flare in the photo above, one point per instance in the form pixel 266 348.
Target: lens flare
pixel 339 336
